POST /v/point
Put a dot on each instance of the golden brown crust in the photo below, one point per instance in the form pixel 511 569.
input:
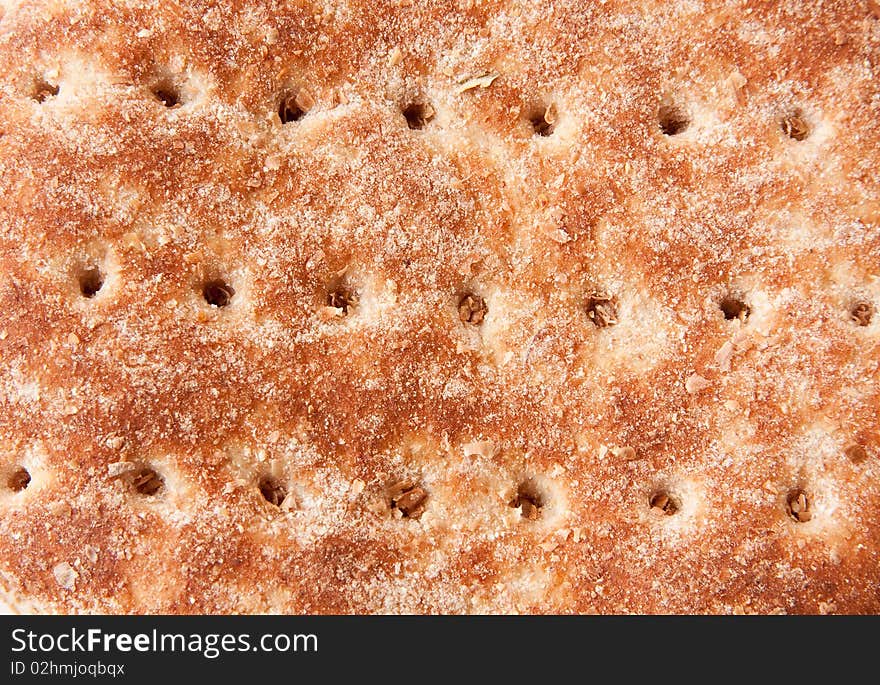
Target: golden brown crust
pixel 336 436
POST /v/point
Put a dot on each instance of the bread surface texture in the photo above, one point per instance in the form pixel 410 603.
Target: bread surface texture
pixel 440 307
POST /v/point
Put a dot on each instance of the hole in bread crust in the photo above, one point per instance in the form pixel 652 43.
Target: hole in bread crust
pixel 861 313
pixel 291 108
pixel 91 280
pixel 418 115
pixel 543 119
pixel 528 500
pixel 798 506
pixel 672 118
pixel 167 93
pixel 408 498
pixel 472 309
pixel 146 481
pixel 273 490
pixel 19 479
pixel 342 296
pixel 217 292
pixel 43 90
pixel 662 502
pixel 601 308
pixel 734 307
pixel 795 126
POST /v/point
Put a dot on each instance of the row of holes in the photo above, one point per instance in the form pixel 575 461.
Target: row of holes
pixel 798 504
pixel 410 499
pixel 292 106
pixel 600 306
pixel 672 119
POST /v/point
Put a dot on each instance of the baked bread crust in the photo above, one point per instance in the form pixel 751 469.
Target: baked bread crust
pixel 241 373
